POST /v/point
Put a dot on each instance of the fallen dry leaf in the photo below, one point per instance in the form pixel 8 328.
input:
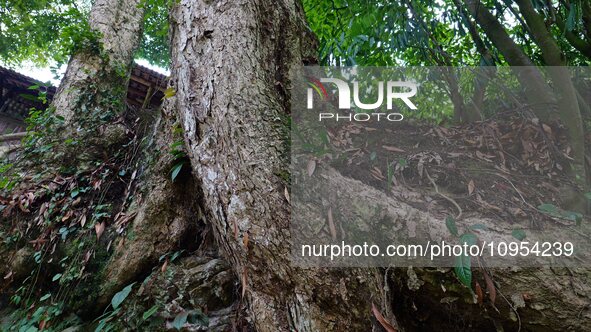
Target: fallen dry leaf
pixel 99 228
pixel 68 215
pixel 490 287
pixel 163 268
pixel 245 240
pixel 87 256
pixel 479 294
pixel 385 324
pixel 311 166
pixel 392 148
pixel 471 187
pixel 377 174
pixel 331 226
pixel 286 193
pixel 244 280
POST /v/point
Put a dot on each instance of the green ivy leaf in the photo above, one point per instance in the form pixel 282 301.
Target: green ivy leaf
pixel 176 170
pixel 180 320
pixel 463 270
pixel 469 238
pixel 463 266
pixel 548 208
pixel 169 93
pixel 519 234
pixel 555 211
pixel 121 296
pixel 479 227
pixel 451 225
pixel 56 277
pixel 148 313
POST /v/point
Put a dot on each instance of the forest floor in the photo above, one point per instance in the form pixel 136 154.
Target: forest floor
pixel 512 170
pixel 501 169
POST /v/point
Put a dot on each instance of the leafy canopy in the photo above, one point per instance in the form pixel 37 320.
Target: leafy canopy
pixel 48 31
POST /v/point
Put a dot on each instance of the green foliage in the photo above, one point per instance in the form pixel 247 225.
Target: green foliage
pixel 450 223
pixel 463 265
pixel 433 33
pixel 121 296
pixel 148 313
pixel 67 204
pixel 554 211
pixel 176 169
pixel 47 32
pixel 154 44
pixel 41 124
pixel 40 30
pixel 97 105
pixel 177 150
pixel 7 179
pixel 353 32
pixel 463 270
pixel 519 234
pixel 108 321
pixel 193 317
pixel 180 320
pixel 49 315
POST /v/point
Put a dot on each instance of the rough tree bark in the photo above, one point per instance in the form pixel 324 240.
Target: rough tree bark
pixel 167 216
pixel 98 71
pixel 231 62
pixel 231 65
pixel 230 68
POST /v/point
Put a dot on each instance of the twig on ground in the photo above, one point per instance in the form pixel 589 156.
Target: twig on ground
pixel 445 196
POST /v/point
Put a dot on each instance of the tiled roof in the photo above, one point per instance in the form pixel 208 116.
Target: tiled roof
pixel 146 89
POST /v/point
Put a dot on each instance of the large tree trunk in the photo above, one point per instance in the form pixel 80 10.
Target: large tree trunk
pixel 231 71
pixel 230 67
pixel 95 84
